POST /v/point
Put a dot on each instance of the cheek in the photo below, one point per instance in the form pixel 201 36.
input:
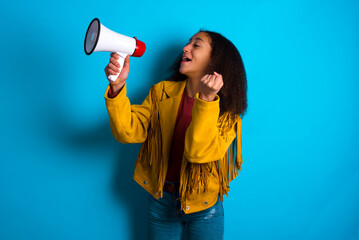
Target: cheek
pixel 205 61
pixel 206 57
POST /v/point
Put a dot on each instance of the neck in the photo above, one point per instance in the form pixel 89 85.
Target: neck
pixel 192 87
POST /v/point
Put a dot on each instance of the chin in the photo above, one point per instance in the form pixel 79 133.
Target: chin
pixel 182 71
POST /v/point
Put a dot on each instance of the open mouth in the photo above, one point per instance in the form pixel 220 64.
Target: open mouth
pixel 186 59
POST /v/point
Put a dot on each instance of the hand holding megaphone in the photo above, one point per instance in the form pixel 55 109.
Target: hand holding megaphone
pixel 101 39
pixel 114 68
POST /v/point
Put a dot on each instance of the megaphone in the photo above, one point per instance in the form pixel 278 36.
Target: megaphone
pixel 101 39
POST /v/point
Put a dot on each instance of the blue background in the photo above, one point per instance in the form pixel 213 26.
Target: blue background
pixel 63 176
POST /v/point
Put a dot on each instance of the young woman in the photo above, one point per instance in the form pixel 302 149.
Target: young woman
pixel 190 127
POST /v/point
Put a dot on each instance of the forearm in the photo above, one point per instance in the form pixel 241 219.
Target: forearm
pixel 128 123
pixel 204 140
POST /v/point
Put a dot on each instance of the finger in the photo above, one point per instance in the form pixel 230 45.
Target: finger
pixel 127 62
pixel 113 67
pixel 127 59
pixel 115 55
pixel 209 77
pixel 218 85
pixel 112 72
pixel 204 79
pixel 218 78
pixel 211 81
pixel 217 74
pixel 115 62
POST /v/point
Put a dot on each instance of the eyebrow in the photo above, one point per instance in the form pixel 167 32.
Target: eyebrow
pixel 197 38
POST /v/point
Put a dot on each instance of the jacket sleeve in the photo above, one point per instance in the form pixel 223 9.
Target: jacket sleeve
pixel 128 122
pixel 204 141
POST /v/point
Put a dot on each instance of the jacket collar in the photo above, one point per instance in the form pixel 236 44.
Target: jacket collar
pixel 174 88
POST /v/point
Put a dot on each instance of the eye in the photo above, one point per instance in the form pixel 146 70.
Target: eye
pixel 196 45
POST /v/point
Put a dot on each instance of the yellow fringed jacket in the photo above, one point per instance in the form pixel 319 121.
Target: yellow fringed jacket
pixel 209 162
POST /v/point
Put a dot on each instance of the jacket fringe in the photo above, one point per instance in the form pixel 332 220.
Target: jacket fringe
pixel 194 175
pixel 151 149
pixel 230 165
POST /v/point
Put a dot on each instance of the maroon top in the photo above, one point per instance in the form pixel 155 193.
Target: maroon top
pixel 111 94
pixel 184 118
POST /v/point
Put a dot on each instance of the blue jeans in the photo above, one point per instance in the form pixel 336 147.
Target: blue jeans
pixel 166 221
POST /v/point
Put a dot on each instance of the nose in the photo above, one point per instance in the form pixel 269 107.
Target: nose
pixel 186 48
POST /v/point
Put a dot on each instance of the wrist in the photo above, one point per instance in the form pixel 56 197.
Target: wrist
pixel 115 88
pixel 207 98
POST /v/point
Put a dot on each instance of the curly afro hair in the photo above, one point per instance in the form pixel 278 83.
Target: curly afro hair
pixel 226 60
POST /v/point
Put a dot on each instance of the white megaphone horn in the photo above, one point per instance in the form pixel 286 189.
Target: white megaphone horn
pixel 101 39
